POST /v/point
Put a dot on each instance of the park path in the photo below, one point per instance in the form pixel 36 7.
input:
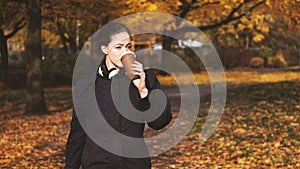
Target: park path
pixel 205 89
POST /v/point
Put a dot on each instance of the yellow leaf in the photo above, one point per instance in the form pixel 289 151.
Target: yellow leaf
pixel 265 29
pixel 237 36
pixel 258 37
pixel 172 166
pixel 152 7
pixel 250 25
pixel 267 161
pixel 240 131
pixel 227 6
pixel 277 144
pixel 241 27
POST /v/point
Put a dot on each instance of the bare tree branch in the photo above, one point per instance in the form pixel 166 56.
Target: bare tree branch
pixel 185 7
pixel 205 4
pixel 18 26
pixel 19 1
pixel 230 18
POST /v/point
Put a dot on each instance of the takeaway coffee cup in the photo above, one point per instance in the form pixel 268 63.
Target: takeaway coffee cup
pixel 127 60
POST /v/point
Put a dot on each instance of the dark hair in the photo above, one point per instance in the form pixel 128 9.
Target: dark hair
pixel 107 31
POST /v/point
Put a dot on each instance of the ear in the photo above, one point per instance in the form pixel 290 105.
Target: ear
pixel 104 49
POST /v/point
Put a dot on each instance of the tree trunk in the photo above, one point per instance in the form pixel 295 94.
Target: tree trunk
pixel 4 57
pixel 247 42
pixel 66 49
pixel 73 46
pixel 167 45
pixel 63 38
pixel 34 90
pixel 299 56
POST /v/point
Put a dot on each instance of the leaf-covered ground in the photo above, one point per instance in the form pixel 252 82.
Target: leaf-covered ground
pixel 34 141
pixel 260 128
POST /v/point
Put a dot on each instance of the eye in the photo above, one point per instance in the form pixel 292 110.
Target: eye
pixel 129 46
pixel 118 47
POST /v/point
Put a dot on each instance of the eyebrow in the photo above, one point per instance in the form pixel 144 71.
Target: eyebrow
pixel 123 44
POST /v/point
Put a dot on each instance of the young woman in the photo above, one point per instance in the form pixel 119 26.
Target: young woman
pixel 81 150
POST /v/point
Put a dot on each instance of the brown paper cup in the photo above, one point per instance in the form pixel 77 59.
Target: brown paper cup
pixel 127 59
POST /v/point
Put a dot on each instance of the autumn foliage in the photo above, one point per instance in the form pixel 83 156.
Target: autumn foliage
pixel 259 127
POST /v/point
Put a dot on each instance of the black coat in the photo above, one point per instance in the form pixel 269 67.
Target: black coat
pixel 81 150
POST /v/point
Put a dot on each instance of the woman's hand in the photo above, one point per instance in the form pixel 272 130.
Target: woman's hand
pixel 140 82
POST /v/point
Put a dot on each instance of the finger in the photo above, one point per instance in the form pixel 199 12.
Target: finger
pixel 137 69
pixel 136 62
pixel 141 74
pixel 137 73
pixel 137 65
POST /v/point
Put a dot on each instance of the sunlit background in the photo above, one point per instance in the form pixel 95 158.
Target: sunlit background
pixel 257 41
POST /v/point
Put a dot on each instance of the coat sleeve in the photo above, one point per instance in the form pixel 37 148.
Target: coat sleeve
pixel 166 116
pixel 75 144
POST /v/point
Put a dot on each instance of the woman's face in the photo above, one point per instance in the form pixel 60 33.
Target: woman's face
pixel 120 43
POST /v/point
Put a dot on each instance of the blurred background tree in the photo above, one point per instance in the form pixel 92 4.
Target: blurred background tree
pixel 65 18
pixel 235 25
pixel 35 102
pixel 11 21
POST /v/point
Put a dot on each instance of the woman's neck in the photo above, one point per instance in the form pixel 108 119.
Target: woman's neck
pixel 109 63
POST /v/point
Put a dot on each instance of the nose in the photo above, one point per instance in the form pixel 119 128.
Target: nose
pixel 126 49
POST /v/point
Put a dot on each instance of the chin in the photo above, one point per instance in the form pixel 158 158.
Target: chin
pixel 120 65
